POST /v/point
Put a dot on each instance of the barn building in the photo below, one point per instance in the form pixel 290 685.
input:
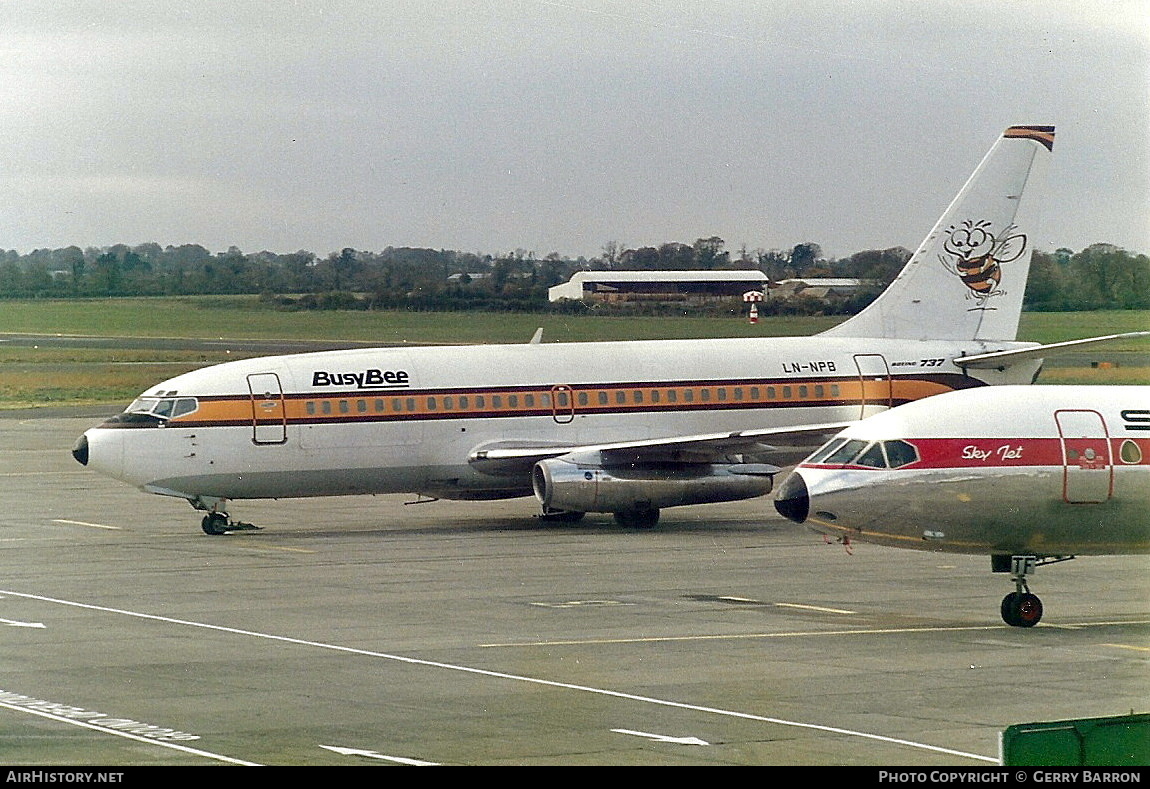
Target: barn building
pixel 658 285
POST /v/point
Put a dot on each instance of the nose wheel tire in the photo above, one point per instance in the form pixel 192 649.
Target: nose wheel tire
pixel 215 523
pixel 1021 609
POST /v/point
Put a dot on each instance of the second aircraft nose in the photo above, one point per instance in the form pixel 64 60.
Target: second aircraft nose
pixel 792 500
pixel 80 450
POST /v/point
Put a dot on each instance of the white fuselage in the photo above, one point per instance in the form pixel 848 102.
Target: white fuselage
pixel 1041 470
pixel 408 419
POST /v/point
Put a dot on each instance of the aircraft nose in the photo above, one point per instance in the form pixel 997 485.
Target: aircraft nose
pixel 80 450
pixel 792 501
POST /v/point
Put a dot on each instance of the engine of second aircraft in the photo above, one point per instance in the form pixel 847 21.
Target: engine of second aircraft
pixel 562 484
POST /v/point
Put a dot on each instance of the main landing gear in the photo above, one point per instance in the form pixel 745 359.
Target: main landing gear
pixel 639 518
pixel 562 516
pixel 1020 608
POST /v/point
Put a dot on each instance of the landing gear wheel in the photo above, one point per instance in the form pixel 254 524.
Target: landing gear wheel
pixel 638 519
pixel 215 523
pixel 1021 609
pixel 1010 609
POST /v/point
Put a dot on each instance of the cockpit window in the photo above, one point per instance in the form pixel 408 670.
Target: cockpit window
pixel 825 450
pixel 185 405
pixel 872 457
pixel 880 454
pixel 163 407
pixel 900 453
pixel 846 453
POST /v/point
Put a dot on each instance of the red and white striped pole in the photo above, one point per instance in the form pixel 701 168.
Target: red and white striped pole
pixel 753 297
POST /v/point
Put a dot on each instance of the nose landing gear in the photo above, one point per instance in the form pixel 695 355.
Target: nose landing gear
pixel 1020 608
pixel 217 522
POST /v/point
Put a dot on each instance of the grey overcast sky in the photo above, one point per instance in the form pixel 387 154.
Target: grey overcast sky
pixel 558 125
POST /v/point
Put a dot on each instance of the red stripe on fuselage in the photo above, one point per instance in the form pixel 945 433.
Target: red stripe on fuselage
pixel 947 453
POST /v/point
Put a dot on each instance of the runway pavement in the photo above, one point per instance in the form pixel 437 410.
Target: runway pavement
pixel 369 630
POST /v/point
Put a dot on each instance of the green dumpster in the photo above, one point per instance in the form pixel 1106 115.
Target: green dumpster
pixel 1119 741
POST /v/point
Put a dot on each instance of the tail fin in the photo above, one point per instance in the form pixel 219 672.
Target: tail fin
pixel 967 278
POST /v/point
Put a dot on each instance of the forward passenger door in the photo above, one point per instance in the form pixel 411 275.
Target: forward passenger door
pixel 1088 474
pixel 269 417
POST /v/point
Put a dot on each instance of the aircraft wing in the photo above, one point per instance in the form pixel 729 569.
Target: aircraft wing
pixel 785 445
pixel 1006 358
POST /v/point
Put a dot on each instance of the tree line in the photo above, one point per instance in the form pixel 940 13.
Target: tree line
pixel 1102 276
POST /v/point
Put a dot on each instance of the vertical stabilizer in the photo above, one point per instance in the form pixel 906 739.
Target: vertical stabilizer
pixel 967 278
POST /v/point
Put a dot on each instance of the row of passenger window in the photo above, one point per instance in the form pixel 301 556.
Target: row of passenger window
pixel 431 403
pixel 719 394
pixel 567 399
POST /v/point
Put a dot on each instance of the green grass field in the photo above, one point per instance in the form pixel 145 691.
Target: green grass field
pixel 244 318
pixel 40 376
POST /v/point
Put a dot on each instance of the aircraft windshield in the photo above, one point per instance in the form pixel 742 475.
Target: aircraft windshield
pixel 900 453
pixel 846 453
pixel 873 457
pixel 163 407
pixel 879 454
pixel 825 450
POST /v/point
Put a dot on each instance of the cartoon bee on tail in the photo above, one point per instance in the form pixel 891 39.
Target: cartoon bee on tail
pixel 976 256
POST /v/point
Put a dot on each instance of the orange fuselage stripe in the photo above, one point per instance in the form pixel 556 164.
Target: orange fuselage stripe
pixel 544 401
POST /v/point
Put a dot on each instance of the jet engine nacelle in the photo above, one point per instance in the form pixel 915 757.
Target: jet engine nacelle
pixel 564 485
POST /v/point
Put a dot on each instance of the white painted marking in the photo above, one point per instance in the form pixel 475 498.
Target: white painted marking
pixel 375 755
pixel 874 631
pixel 577 603
pixel 663 737
pixel 1128 646
pixel 126 734
pixel 14 623
pixel 818 608
pixel 517 677
pixel 85 523
pixel 255 549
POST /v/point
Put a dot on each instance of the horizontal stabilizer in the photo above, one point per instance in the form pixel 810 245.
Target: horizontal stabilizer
pixel 1000 359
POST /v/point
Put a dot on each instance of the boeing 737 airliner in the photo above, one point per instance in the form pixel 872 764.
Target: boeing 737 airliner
pixel 620 427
